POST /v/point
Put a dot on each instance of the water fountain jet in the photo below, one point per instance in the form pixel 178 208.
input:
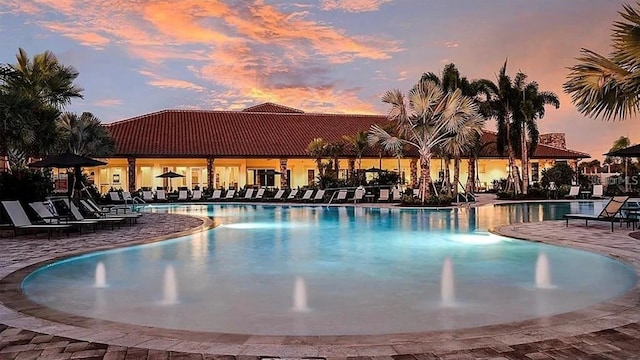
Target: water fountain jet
pixel 447 287
pixel 170 289
pixel 300 296
pixel 543 272
pixel 100 276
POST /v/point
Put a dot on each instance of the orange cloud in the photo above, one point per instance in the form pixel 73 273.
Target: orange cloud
pixel 353 5
pixel 165 82
pixel 108 102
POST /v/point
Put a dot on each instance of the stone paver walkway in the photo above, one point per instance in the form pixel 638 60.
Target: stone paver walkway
pixel 610 330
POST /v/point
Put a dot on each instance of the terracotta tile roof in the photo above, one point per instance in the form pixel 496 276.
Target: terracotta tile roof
pixel 262 131
pixel 489 150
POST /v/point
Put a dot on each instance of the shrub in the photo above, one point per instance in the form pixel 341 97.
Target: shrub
pixel 26 185
pixel 409 200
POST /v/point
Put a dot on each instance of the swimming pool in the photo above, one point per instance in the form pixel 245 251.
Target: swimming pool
pixel 297 270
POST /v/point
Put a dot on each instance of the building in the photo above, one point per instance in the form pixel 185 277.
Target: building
pixel 265 145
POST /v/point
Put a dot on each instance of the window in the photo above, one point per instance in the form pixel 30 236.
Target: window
pixel 311 177
pixel 534 172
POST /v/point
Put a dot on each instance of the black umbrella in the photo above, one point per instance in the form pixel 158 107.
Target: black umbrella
pixel 374 170
pixel 170 175
pixel 68 160
pixel 631 151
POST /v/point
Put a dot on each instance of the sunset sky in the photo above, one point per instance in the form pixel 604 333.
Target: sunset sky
pixel 136 57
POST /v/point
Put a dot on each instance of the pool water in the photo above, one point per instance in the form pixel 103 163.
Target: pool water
pixel 304 270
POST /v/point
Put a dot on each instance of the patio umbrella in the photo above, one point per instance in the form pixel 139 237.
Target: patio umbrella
pixel 68 160
pixel 170 175
pixel 631 151
pixel 374 170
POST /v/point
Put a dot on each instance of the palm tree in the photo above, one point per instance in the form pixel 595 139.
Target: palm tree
pixel 425 122
pixel 84 135
pixel 334 150
pixel 609 87
pixel 531 109
pixel 358 144
pixel 451 80
pixel 317 149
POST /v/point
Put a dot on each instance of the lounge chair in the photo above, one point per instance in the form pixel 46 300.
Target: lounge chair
pixel 396 195
pixel 259 194
pixel 248 194
pixel 319 196
pixel 292 194
pixel 126 196
pixel 573 192
pixel 611 213
pixel 49 217
pixel 183 195
pixel 216 195
pixel 598 192
pixel 77 215
pixel 161 195
pixel 230 194
pixel 115 198
pixel 147 195
pixel 358 195
pixel 196 195
pixel 342 196
pixel 90 207
pixel 20 220
pixel 384 195
pixel 306 196
pixel 278 195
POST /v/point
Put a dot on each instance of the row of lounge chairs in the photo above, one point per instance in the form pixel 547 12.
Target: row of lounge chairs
pixel 61 215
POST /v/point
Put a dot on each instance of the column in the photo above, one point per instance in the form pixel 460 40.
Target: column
pixel 131 174
pixel 283 172
pixel 352 167
pixel 210 173
pixel 413 166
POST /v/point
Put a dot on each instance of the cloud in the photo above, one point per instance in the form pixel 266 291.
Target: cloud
pixel 165 82
pixel 353 5
pixel 108 102
pixel 403 75
pixel 451 44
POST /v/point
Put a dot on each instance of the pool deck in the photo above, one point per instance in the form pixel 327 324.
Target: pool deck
pixel 610 330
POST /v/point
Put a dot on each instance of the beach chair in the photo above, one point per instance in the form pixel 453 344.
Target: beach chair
pixel 319 197
pixel 358 195
pixel 611 213
pixel 183 195
pixel 248 194
pixel 598 192
pixel 216 195
pixel 91 208
pixel 259 194
pixel 342 196
pixel 161 195
pixel 20 220
pixel 115 198
pixel 49 216
pixel 196 195
pixel 147 195
pixel 77 215
pixel 126 196
pixel 573 192
pixel 230 194
pixel 278 195
pixel 396 195
pixel 384 195
pixel 292 194
pixel 306 196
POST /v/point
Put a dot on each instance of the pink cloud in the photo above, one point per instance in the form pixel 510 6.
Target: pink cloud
pixel 353 5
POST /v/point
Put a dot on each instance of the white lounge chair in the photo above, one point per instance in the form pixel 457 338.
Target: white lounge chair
pixel 183 195
pixel 52 217
pixel 573 192
pixel 397 195
pixel 342 196
pixel 598 192
pixel 217 195
pixel 278 195
pixel 20 220
pixel 196 195
pixel 161 195
pixel 319 196
pixel 96 211
pixel 292 194
pixel 77 215
pixel 126 196
pixel 307 195
pixel 248 194
pixel 114 196
pixel 358 195
pixel 147 195
pixel 384 195
pixel 230 194
pixel 259 194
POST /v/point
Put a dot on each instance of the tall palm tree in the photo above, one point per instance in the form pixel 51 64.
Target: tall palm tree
pixel 334 150
pixel 84 135
pixel 531 109
pixel 425 122
pixel 317 149
pixel 609 86
pixel 478 90
pixel 358 144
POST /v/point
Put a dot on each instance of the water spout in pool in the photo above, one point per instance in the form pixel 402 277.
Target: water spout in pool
pixel 101 276
pixel 170 290
pixel 447 287
pixel 543 272
pixel 300 295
